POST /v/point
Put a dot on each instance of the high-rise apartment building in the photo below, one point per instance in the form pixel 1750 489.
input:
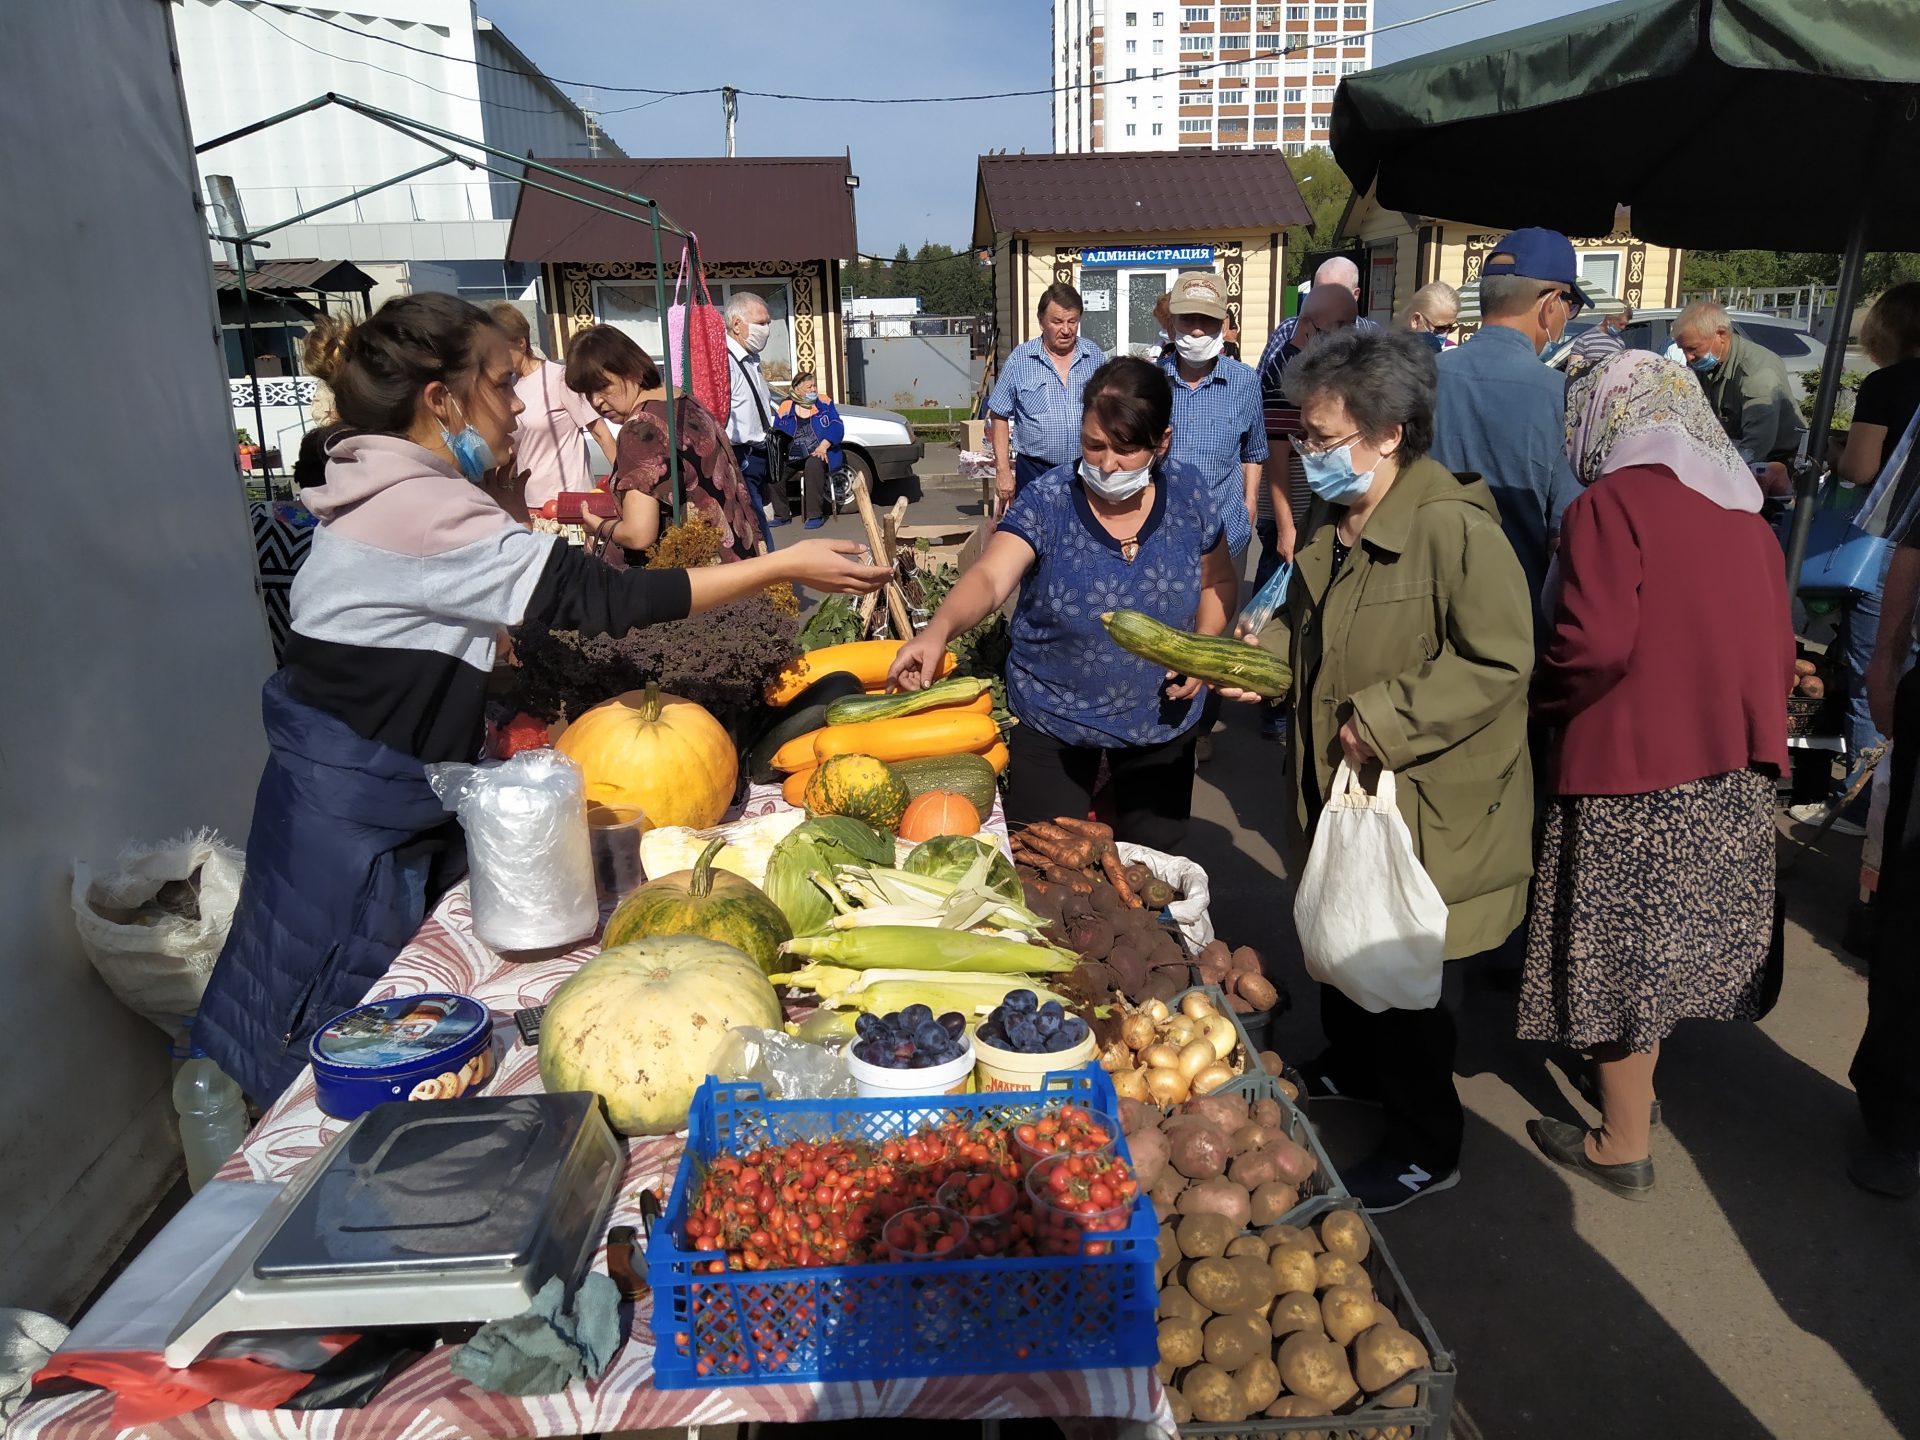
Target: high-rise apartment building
pixel 1153 75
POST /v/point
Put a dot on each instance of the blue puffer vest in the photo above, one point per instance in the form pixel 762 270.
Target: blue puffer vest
pixel 349 849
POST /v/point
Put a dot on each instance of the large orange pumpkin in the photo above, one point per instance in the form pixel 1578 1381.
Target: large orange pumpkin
pixel 665 755
pixel 939 812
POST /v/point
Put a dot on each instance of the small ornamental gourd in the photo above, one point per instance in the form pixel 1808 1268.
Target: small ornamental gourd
pixel 858 786
pixel 713 904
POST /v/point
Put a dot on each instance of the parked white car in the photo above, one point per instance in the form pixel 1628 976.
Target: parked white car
pixel 1652 330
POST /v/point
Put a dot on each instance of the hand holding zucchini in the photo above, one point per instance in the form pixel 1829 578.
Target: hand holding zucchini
pixel 1215 659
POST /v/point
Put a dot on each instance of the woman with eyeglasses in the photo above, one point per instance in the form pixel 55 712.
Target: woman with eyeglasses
pixel 1409 631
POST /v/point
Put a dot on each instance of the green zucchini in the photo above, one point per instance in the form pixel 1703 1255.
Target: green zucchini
pixel 853 709
pixel 1216 659
pixel 806 713
pixel 968 775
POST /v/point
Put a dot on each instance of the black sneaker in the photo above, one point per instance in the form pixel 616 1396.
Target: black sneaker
pixel 1382 1183
pixel 1320 1086
pixel 1884 1170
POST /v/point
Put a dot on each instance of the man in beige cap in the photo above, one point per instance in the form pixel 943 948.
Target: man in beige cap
pixel 1217 423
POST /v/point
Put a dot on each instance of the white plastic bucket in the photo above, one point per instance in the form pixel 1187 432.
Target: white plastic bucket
pixel 1010 1070
pixel 876 1083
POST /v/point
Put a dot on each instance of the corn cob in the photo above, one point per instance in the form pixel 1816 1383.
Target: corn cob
pixel 910 947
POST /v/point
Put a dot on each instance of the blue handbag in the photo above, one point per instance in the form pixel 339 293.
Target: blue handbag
pixel 1841 557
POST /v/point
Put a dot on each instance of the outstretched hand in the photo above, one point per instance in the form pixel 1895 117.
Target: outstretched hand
pixel 835 565
pixel 1234 692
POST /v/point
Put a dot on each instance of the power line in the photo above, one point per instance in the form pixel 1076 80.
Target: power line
pixel 1284 52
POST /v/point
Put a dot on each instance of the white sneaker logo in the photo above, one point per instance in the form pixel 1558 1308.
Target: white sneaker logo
pixel 1415 1178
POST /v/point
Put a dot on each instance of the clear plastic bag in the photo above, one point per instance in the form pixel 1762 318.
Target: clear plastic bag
pixel 530 857
pixel 1268 599
pixel 786 1067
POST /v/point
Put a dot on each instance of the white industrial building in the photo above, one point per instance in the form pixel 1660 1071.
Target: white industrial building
pixel 1150 75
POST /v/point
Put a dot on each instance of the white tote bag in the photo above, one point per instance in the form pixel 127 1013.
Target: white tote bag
pixel 1371 922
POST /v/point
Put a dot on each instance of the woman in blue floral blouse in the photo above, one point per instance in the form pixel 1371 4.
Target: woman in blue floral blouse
pixel 1124 529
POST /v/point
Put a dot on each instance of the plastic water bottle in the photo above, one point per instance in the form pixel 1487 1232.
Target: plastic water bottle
pixel 213 1116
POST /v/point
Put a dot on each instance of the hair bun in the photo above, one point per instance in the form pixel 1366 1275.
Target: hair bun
pixel 325 347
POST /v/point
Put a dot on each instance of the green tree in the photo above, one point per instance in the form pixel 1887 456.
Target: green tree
pixel 1326 189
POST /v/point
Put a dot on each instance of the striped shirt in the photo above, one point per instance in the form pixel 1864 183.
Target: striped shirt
pixel 1217 428
pixel 1044 409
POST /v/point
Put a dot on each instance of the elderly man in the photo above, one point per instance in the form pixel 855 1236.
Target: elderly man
pixel 1433 312
pixel 1501 414
pixel 1217 423
pixel 749 323
pixel 1034 409
pixel 1601 342
pixel 1746 384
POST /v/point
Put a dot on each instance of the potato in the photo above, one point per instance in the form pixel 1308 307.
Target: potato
pixel 1263 1166
pixel 1313 1366
pixel 1225 1113
pixel 1344 1233
pixel 1166 1195
pixel 1168 1254
pixel 1204 1236
pixel 1293 1268
pixel 1230 1341
pixel 1213 1395
pixel 1135 1117
pixel 1813 687
pixel 1177 1303
pixel 1287 1088
pixel 1211 1077
pixel 1244 961
pixel 1400 1397
pixel 1296 1310
pixel 1166 1086
pixel 1345 1311
pixel 1218 1285
pixel 1180 1343
pixel 1177 1403
pixel 1268 1113
pixel 1281 1235
pixel 1334 1270
pixel 1199 1152
pixel 1246 1246
pixel 1258 1279
pixel 1216 1197
pixel 1384 1354
pixel 1258 991
pixel 1295 1407
pixel 1269 1202
pixel 1802 666
pixel 1259 1382
pixel 1295 1163
pixel 1150 1152
pixel 1271 1062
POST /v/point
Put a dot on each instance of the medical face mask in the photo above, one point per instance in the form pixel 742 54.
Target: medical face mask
pixel 756 340
pixel 1197 349
pixel 471 452
pixel 1332 477
pixel 807 397
pixel 1705 364
pixel 1117 488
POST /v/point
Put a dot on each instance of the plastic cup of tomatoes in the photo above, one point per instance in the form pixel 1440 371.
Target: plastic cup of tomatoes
pixel 1066 1130
pixel 1077 1198
pixel 989 1202
pixel 926 1232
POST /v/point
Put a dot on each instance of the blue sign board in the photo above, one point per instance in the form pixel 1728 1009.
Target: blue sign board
pixel 1129 256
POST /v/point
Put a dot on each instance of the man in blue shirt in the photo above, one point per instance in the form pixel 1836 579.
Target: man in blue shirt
pixel 1500 413
pixel 1037 396
pixel 1218 428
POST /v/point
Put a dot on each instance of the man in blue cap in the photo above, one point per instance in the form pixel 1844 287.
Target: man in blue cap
pixel 1500 413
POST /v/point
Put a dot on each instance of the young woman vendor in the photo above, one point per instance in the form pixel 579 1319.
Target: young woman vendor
pixel 1125 528
pixel 413 574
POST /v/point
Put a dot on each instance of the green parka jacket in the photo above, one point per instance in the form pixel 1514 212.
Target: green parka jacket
pixel 1426 639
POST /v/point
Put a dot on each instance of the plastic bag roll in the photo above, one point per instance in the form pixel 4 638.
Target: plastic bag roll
pixel 528 853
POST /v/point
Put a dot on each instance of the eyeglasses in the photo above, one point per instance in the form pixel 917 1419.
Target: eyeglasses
pixel 1573 298
pixel 1306 447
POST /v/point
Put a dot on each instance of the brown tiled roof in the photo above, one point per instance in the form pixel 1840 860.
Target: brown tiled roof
pixel 328 275
pixel 1157 192
pixel 746 208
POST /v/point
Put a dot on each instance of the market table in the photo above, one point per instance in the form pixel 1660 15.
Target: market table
pixel 427 1402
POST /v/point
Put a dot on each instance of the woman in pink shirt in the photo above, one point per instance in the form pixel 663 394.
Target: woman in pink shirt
pixel 546 437
pixel 1665 676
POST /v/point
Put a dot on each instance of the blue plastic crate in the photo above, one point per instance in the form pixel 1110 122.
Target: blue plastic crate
pixel 875 1322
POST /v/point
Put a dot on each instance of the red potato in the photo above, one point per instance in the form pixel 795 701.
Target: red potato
pixel 1199 1152
pixel 1150 1150
pixel 1225 1113
pixel 1217 1197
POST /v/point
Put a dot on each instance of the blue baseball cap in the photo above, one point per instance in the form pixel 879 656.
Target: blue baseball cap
pixel 1537 254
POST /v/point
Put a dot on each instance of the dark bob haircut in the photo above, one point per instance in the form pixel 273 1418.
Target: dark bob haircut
pixel 600 354
pixel 1384 378
pixel 1130 400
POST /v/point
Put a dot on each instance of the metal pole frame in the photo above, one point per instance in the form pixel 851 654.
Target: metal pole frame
pixel 252 365
pixel 420 132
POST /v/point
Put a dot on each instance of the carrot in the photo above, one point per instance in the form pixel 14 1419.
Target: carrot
pixel 1092 829
pixel 1116 874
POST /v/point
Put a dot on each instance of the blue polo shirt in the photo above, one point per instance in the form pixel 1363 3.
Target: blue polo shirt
pixel 1045 410
pixel 1501 414
pixel 1217 426
pixel 1065 675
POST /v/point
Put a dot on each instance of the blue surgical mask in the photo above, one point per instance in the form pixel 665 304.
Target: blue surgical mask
pixel 1705 364
pixel 1331 476
pixel 471 452
pixel 807 397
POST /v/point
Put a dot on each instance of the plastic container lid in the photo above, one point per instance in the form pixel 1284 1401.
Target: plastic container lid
pixel 404 1031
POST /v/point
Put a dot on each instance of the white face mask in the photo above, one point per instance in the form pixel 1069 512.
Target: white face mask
pixel 1198 349
pixel 1117 488
pixel 756 340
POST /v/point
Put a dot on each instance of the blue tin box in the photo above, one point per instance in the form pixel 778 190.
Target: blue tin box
pixel 412 1047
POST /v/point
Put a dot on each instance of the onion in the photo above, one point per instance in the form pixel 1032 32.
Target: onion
pixel 1157 1010
pixel 1211 1078
pixel 1197 1006
pixel 1181 1032
pixel 1131 1085
pixel 1195 1058
pixel 1167 1087
pixel 1137 1031
pixel 1160 1057
pixel 1219 1033
pixel 1116 1057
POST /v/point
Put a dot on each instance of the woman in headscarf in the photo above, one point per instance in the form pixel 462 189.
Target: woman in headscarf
pixel 1665 675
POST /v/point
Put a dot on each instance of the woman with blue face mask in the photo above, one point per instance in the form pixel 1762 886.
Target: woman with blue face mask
pixel 1122 528
pixel 1409 628
pixel 414 573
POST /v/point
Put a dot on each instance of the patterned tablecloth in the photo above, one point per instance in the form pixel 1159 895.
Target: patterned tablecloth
pixel 427 1402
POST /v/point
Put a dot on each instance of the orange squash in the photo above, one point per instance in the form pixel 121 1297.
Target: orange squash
pixel 663 755
pixel 866 660
pixel 939 812
pixel 948 731
pixel 793 789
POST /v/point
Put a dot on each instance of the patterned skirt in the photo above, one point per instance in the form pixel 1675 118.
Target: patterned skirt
pixel 1650 909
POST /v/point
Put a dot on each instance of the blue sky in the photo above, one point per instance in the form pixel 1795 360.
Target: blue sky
pixel 915 162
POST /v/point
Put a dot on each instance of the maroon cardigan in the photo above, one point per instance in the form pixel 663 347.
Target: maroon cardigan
pixel 1672 650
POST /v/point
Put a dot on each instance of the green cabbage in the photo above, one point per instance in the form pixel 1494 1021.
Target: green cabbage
pixel 950 857
pixel 815 847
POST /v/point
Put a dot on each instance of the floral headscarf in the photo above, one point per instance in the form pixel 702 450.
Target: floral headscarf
pixel 1639 408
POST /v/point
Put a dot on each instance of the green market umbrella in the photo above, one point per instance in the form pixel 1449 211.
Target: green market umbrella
pixel 1768 124
pixel 1600 301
